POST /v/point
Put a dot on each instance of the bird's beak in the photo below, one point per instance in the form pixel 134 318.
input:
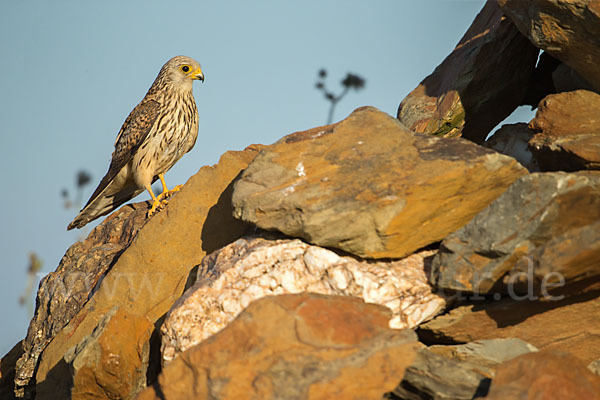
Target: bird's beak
pixel 197 74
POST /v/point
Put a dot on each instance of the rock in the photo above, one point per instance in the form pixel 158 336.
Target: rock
pixel 544 375
pixel 251 268
pixel 567 127
pixel 63 292
pixel 594 366
pixel 566 79
pixel 304 346
pixel 514 229
pixel 512 140
pixel 432 376
pixel 7 371
pixel 152 272
pixel 568 257
pixel 110 363
pixel 569 324
pixel 478 85
pixel 457 372
pixel 400 190
pixel 567 29
pixel 485 354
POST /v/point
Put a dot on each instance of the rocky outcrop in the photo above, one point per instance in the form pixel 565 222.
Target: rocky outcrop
pixel 304 346
pixel 252 268
pixel 567 29
pixel 457 372
pixel 544 375
pixel 565 324
pixel 478 85
pixel 152 272
pixel 402 191
pixel 567 127
pixel 499 246
pixel 284 270
pixel 64 292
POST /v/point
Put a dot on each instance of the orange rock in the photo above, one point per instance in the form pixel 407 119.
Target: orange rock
pixel 152 272
pixel 544 375
pixel 567 29
pixel 478 85
pixel 370 187
pixel 568 131
pixel 303 346
pixel 570 325
pixel 110 363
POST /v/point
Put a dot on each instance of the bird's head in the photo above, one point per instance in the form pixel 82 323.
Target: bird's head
pixel 181 71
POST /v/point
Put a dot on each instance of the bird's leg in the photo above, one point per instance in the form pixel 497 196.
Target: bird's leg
pixel 156 203
pixel 166 193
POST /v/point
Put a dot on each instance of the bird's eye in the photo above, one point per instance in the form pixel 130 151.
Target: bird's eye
pixel 185 68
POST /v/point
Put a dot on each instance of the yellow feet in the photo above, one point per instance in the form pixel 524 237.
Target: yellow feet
pixel 157 205
pixel 166 193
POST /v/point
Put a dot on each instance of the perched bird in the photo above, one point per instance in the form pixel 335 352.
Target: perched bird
pixel 155 135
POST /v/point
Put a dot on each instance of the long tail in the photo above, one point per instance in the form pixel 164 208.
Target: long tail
pixel 103 203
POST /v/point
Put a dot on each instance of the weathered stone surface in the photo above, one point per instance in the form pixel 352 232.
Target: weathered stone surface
pixel 594 366
pixel 152 272
pixel 370 187
pixel 7 371
pixel 110 363
pixel 432 376
pixel 251 268
pixel 567 29
pixel 512 140
pixel 478 85
pixel 535 210
pixel 544 375
pixel 63 292
pixel 457 372
pixel 567 127
pixel 569 325
pixel 571 256
pixel 486 354
pixel 304 346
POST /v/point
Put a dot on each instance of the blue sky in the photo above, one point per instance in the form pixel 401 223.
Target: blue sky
pixel 71 71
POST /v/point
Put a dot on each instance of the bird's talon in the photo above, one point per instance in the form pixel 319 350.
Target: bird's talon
pixel 157 205
pixel 168 193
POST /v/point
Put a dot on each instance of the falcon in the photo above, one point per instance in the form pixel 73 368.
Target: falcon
pixel 155 135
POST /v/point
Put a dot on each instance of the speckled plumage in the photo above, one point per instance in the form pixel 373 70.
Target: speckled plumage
pixel 155 135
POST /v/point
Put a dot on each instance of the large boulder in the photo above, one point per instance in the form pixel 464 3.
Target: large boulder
pixel 151 273
pixel 252 268
pixel 567 29
pixel 499 246
pixel 567 127
pixel 478 85
pixel 369 186
pixel 304 346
